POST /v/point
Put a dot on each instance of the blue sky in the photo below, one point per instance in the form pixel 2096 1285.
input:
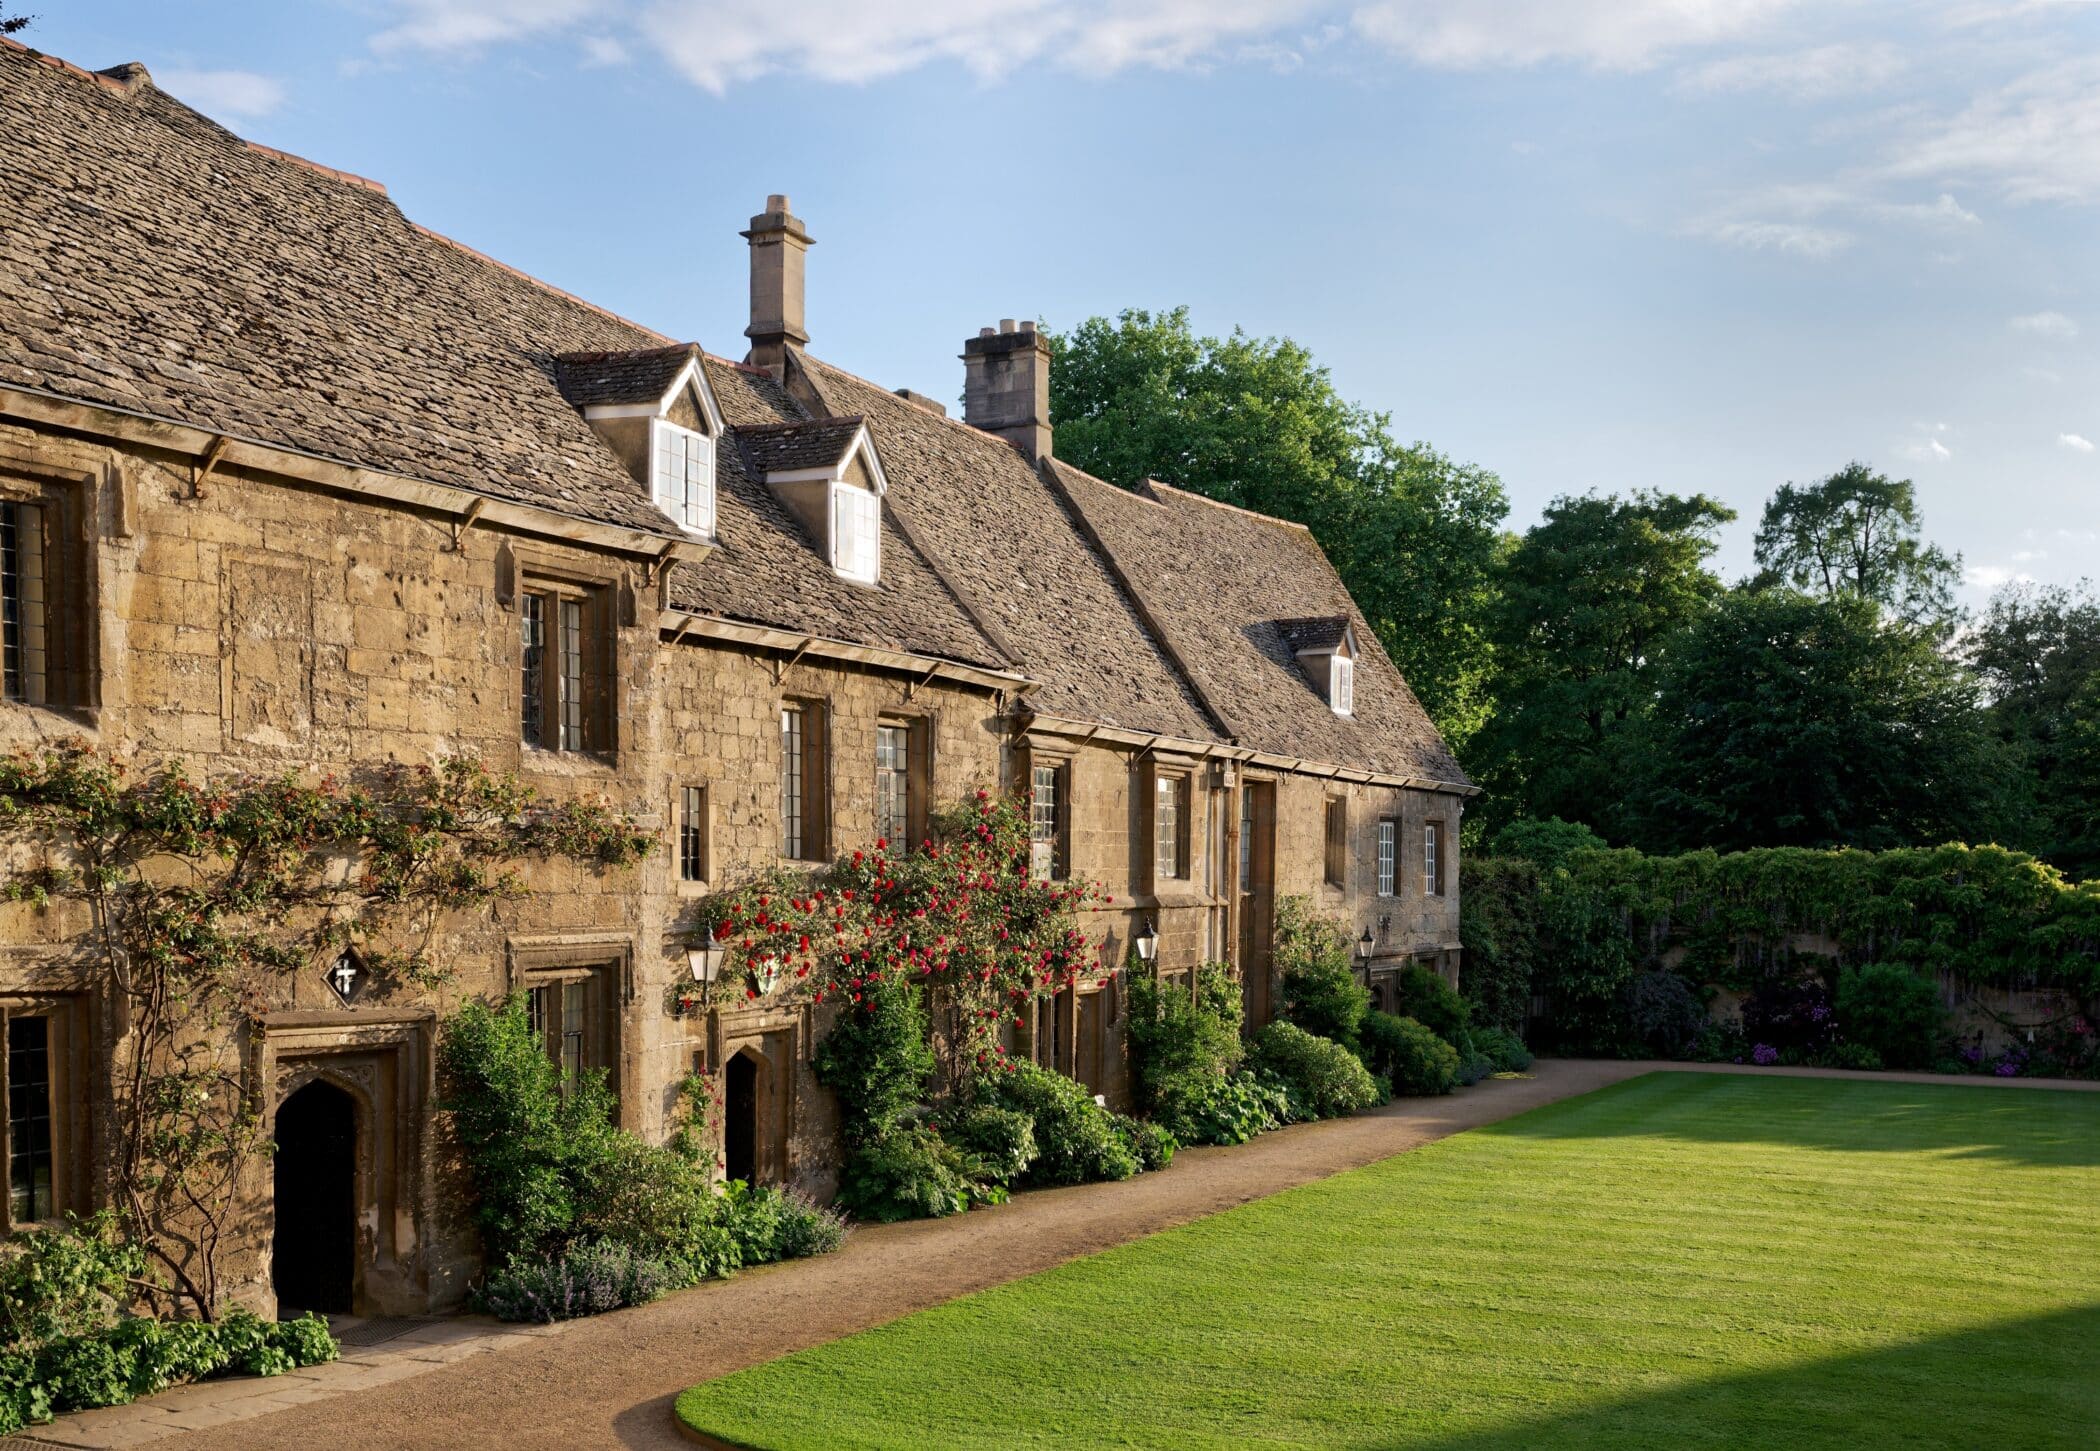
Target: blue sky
pixel 1685 244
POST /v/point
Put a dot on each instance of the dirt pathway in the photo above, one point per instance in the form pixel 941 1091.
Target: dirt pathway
pixel 610 1381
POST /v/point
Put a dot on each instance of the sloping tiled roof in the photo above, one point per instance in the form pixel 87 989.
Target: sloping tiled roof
pixel 638 375
pixel 152 261
pixel 1326 632
pixel 818 444
pixel 1222 584
pixel 1005 539
pixel 767 571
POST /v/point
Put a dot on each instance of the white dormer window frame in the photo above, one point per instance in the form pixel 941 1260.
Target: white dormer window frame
pixel 1341 684
pixel 856 533
pixel 852 519
pixel 682 476
pixel 694 498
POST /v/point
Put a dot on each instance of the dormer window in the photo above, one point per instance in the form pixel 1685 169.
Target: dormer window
pixel 682 468
pixel 1325 648
pixel 656 410
pixel 825 471
pixel 856 534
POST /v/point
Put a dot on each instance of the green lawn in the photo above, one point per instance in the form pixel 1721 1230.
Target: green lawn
pixel 1680 1261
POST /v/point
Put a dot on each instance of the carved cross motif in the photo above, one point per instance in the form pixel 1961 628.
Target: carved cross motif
pixel 346 976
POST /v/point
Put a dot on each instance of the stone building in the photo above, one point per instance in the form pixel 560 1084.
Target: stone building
pixel 288 482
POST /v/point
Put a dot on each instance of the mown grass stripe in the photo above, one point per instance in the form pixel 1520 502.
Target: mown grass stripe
pixel 1679 1260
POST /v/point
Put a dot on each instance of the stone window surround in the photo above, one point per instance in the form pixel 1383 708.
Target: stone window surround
pixel 564 954
pixel 1060 756
pixel 814 784
pixel 605 588
pixel 72 519
pixel 693 886
pixel 922 757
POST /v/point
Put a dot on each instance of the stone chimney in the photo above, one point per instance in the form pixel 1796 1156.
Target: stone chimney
pixel 1006 386
pixel 779 245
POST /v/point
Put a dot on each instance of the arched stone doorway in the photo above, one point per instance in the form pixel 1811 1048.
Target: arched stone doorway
pixel 741 1106
pixel 314 1257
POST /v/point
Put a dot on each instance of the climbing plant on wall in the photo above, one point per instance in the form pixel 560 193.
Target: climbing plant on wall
pixel 961 917
pixel 198 900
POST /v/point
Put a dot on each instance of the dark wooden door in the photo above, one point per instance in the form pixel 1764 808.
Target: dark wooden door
pixel 1257 887
pixel 314 1260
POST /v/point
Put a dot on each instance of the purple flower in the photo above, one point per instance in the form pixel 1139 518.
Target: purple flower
pixel 1765 1054
pixel 2007 1068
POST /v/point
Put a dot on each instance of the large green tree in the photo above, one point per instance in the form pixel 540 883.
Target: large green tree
pixel 2037 652
pixel 1790 719
pixel 1591 598
pixel 1257 423
pixel 1857 533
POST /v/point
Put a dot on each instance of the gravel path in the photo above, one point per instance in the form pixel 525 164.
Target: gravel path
pixel 610 1381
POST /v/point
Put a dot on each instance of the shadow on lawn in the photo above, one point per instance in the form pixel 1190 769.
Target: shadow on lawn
pixel 2029 1383
pixel 2050 1127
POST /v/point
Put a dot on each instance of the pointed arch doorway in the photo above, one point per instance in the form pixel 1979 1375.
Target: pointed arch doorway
pixel 314 1254
pixel 742 1106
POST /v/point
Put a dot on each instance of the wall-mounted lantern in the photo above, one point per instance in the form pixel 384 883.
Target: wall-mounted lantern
pixel 1147 942
pixel 704 959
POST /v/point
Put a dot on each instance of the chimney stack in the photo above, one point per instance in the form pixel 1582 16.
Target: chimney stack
pixel 1006 386
pixel 779 244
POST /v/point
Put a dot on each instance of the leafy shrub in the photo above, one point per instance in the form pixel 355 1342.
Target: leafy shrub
pixel 1226 1111
pixel 1664 1014
pixel 1182 1043
pixel 528 1145
pixel 910 1172
pixel 133 1356
pixel 1413 1059
pixel 1793 1016
pixel 1545 844
pixel 590 1277
pixel 1001 1140
pixel 1320 1078
pixel 1075 1138
pixel 1424 996
pixel 1891 1011
pixel 1502 1048
pixel 1320 990
pixel 1722 1042
pixel 1150 1144
pixel 1855 1056
pixel 659 1205
pixel 878 1059
pixel 67 1281
pixel 1472 1066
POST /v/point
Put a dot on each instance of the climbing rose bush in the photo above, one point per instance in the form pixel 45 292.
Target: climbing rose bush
pixel 961 919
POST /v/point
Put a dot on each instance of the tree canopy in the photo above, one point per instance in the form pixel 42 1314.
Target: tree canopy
pixel 1590 599
pixel 1857 533
pixel 1789 719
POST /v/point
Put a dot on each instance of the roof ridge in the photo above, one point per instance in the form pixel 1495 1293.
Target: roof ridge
pixel 606 355
pixel 1152 483
pixel 892 393
pixel 1095 479
pixel 783 426
pixel 348 178
pixel 116 85
pixel 540 283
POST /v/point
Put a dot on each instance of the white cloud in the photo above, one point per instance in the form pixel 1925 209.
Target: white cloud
pixel 603 50
pixel 2044 325
pixel 2034 139
pixel 1930 448
pixel 1825 70
pixel 1946 211
pixel 1794 238
pixel 2077 443
pixel 466 26
pixel 224 93
pixel 717 43
pixel 1991 576
pixel 1621 35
